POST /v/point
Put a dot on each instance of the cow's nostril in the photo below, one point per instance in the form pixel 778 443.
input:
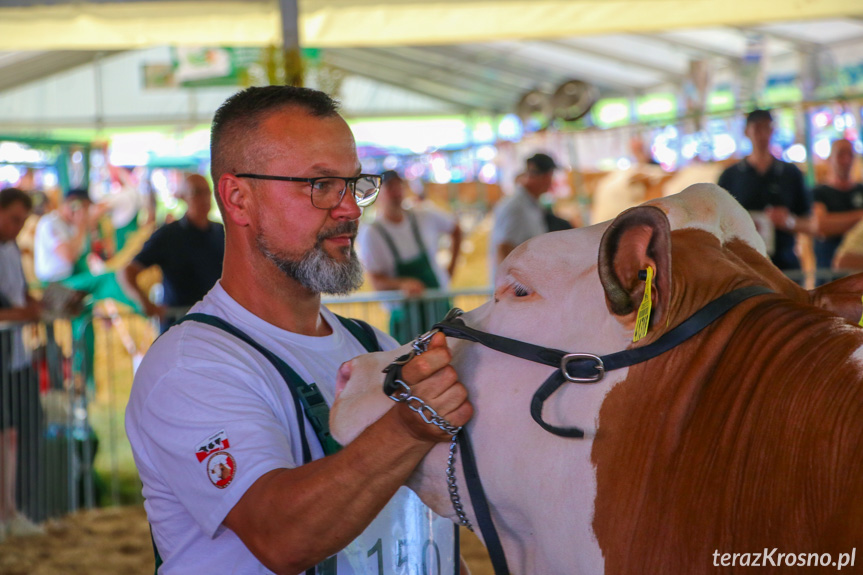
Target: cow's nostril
pixel 343 376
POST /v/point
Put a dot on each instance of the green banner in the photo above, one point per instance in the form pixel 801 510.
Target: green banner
pixel 196 66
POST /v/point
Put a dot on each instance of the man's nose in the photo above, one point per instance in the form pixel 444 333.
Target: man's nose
pixel 347 208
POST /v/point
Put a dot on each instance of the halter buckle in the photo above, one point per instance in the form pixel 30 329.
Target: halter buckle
pixel 421 344
pixel 600 367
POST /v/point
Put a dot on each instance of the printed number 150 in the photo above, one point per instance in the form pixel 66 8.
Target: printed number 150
pixel 402 559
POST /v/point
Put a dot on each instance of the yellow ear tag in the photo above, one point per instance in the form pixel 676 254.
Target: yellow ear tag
pixel 860 323
pixel 642 321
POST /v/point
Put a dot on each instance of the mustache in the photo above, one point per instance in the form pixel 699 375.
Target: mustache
pixel 342 228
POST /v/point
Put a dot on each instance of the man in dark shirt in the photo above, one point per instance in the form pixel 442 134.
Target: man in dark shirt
pixel 189 252
pixel 772 190
pixel 838 204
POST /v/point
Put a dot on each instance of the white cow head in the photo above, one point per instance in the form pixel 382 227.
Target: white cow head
pixel 576 291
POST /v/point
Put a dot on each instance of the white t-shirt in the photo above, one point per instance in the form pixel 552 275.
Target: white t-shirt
pixel 51 231
pixel 516 219
pixel 199 384
pixel 13 286
pixel 377 257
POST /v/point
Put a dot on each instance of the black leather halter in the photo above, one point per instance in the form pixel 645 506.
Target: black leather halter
pixel 582 368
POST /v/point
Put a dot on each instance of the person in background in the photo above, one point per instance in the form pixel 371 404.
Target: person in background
pixel 41 205
pixel 62 255
pixel 62 238
pixel 399 252
pixel 125 202
pixel 838 204
pixel 772 190
pixel 641 152
pixel 521 216
pixel 234 476
pixel 20 409
pixel 189 252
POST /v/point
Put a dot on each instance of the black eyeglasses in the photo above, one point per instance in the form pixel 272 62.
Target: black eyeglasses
pixel 327 192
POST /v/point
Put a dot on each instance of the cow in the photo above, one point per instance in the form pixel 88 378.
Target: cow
pixel 746 438
pixel 622 189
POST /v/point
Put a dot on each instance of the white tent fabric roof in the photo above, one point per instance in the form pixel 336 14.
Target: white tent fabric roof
pixel 78 64
pixel 117 25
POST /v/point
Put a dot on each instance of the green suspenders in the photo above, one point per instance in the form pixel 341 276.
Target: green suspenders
pixel 307 397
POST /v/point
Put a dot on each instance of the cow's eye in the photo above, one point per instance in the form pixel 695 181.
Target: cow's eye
pixel 519 290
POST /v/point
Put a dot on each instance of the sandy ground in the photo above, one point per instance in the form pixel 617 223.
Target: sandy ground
pixel 475 554
pixel 116 541
pixel 96 542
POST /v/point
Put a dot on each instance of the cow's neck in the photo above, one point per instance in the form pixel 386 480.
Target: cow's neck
pixel 693 442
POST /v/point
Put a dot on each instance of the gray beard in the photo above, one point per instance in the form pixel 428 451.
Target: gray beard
pixel 318 272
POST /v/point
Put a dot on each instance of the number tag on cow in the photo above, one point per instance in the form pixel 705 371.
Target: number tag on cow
pixel 406 538
pixel 642 320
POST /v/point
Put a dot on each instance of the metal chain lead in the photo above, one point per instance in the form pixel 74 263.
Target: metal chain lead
pixel 426 411
pixel 452 487
pixel 418 347
pixel 421 344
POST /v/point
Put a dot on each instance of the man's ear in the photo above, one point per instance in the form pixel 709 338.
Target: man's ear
pixel 235 195
pixel 637 238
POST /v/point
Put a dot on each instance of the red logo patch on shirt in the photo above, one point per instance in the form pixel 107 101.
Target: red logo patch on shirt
pixel 221 469
pixel 216 442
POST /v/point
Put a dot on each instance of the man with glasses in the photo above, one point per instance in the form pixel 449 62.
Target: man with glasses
pixel 227 416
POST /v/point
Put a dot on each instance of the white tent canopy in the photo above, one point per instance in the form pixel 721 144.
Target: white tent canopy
pixel 117 25
pixel 79 64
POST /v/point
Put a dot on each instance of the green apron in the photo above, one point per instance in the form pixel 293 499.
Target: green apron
pixel 122 233
pixel 414 316
pixel 99 287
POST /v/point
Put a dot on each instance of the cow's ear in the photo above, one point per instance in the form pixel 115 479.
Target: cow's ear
pixel 637 238
pixel 842 297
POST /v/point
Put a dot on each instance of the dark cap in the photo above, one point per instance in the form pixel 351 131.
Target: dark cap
pixel 390 175
pixel 543 163
pixel 758 116
pixel 77 194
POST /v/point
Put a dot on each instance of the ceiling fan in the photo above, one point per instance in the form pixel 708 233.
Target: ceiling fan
pixel 569 102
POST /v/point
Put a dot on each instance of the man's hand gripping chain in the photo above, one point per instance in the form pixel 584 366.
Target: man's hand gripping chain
pixel 399 391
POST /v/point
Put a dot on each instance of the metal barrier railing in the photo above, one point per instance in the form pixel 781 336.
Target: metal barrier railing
pixel 413 315
pixel 45 463
pixel 812 278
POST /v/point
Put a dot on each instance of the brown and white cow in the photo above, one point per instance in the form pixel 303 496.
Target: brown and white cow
pixel 745 437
